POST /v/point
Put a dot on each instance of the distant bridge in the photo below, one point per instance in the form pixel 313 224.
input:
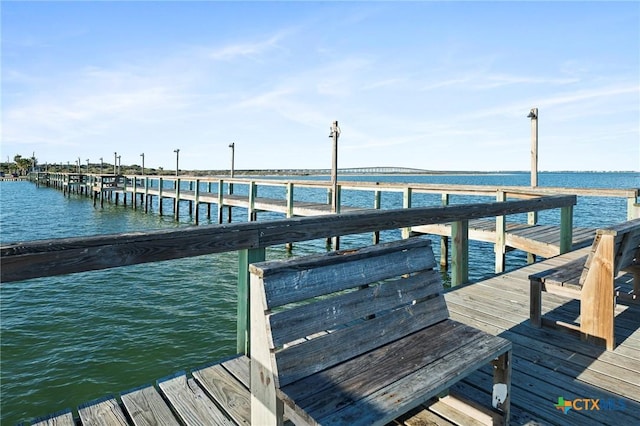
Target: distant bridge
pixel 352 171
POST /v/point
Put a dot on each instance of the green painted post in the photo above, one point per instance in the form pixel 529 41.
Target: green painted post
pixel 460 252
pixel 245 257
pixel 566 229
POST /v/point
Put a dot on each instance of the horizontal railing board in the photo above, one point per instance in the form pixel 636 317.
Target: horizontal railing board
pixel 44 258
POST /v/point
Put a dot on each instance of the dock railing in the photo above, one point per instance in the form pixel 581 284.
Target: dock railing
pixel 45 258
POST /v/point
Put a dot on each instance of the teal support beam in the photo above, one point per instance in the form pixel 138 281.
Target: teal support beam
pixel 566 229
pixel 245 258
pixel 459 252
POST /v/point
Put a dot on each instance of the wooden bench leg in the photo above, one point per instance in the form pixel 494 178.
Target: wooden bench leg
pixel 502 385
pixel 535 304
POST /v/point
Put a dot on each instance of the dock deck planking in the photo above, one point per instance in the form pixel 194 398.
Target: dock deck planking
pixel 541 240
pixel 547 364
pixel 103 412
pixel 227 391
pixel 191 403
pixel 147 408
pixel 60 419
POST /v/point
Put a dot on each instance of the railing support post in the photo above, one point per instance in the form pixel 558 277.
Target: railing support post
pixel 251 211
pixel 160 185
pixel 176 202
pixel 146 194
pixel 337 199
pixel 377 198
pixel 633 208
pixel 501 225
pixel 220 200
pixel 245 257
pixel 289 214
pixel 406 203
pixel 444 240
pixel 197 201
pixel 460 252
pixel 566 229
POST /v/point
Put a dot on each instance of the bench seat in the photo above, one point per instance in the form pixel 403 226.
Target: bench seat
pixel 388 381
pixel 360 337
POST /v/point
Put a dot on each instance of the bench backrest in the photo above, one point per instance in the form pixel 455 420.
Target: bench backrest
pixel 317 311
pixel 624 239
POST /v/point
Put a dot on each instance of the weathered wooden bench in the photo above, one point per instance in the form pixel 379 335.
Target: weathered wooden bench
pixel 360 337
pixel 591 280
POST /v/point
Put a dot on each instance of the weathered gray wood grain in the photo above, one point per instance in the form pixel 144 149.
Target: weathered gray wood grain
pixel 102 413
pixel 147 408
pixel 191 403
pixel 22 261
pixel 227 391
pixel 325 314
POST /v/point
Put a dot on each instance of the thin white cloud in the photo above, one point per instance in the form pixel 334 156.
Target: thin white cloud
pixel 251 49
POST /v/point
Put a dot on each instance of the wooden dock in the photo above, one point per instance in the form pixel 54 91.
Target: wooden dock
pixel 540 240
pixel 547 365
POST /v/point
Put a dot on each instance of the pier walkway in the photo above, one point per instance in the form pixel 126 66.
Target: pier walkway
pixel 535 239
pixel 548 366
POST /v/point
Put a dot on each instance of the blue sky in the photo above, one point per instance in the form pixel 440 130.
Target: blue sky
pixel 431 85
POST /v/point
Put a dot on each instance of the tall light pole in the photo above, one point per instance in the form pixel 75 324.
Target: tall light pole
pixel 87 165
pixel 101 162
pixel 335 132
pixel 177 151
pixel 115 163
pixel 232 145
pixel 119 163
pixel 533 115
pixel 78 164
pixel 142 155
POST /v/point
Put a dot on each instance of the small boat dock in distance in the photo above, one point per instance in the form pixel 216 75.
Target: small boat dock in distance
pixel 548 366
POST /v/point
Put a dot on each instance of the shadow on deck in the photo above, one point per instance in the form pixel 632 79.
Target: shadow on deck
pixel 549 364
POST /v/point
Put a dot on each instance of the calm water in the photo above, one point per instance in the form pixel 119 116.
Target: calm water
pixel 67 340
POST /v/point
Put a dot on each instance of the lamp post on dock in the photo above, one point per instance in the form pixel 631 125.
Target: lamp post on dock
pixel 177 151
pixel 232 145
pixel 335 132
pixel 119 163
pixel 115 163
pixel 101 162
pixel 87 165
pixel 142 155
pixel 533 115
pixel 78 165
